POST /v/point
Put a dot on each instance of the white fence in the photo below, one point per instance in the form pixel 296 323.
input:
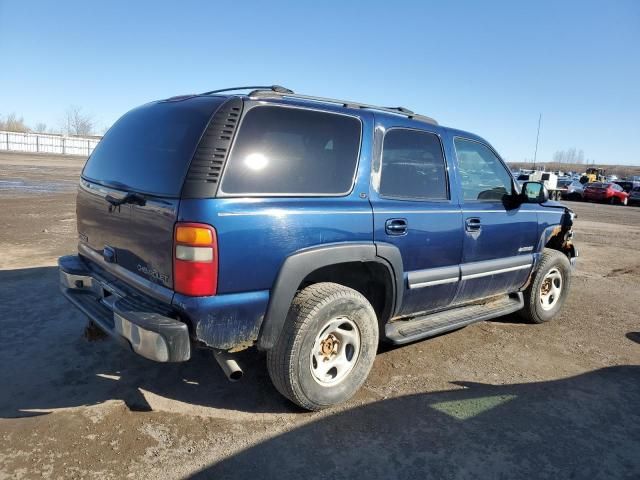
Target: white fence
pixel 46 143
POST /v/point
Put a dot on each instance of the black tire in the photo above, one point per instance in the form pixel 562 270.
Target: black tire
pixel 289 362
pixel 533 310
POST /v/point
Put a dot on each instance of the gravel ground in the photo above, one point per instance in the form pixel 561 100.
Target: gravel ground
pixel 498 399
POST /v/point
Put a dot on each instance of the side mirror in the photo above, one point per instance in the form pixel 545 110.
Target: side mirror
pixel 534 192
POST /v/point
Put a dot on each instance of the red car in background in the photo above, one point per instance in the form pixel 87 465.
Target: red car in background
pixel 605 192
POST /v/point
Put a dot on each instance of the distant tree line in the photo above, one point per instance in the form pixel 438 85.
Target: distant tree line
pixel 74 122
pixel 574 160
pixel 571 155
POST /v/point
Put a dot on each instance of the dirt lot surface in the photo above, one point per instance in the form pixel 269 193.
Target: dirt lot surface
pixel 497 399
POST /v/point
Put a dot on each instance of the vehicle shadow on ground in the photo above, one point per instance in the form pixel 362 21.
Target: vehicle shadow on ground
pixel 46 363
pixel 512 318
pixel 633 336
pixel 587 426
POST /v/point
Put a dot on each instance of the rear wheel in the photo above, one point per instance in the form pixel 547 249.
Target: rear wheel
pixel 326 348
pixel 549 288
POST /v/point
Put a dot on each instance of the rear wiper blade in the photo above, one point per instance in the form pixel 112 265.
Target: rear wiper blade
pixel 131 197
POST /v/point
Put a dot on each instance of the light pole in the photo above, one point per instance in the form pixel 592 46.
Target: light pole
pixel 535 155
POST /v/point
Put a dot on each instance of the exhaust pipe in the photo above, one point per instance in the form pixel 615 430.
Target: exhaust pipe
pixel 228 365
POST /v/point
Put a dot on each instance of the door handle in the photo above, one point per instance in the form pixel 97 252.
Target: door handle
pixel 472 224
pixel 395 226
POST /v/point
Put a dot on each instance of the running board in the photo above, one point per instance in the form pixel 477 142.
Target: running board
pixel 417 328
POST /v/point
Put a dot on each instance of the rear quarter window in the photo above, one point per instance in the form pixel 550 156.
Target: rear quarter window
pixel 282 151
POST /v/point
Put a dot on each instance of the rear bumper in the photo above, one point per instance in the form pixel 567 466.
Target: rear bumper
pixel 137 322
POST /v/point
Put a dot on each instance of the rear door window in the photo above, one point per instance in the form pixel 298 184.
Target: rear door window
pixel 283 151
pixel 150 148
pixel 413 166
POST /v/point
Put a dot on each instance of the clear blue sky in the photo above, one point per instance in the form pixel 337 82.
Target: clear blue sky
pixel 488 67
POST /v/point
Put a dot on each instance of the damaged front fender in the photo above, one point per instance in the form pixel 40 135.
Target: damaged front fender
pixel 560 236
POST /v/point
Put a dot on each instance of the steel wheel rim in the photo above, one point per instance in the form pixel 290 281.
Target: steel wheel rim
pixel 335 351
pixel 551 289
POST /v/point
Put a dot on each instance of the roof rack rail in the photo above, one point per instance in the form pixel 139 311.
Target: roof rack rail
pixel 260 92
pixel 406 111
pixel 272 88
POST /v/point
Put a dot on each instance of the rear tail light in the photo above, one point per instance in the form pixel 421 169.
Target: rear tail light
pixel 195 260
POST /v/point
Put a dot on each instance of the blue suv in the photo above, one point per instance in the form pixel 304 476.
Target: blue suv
pixel 310 228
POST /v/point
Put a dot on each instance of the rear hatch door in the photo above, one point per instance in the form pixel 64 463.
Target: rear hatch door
pixel 130 189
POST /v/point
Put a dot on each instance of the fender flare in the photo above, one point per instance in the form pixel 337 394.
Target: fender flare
pixel 300 264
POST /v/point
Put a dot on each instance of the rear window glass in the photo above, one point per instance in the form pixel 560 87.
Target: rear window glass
pixel 149 149
pixel 288 151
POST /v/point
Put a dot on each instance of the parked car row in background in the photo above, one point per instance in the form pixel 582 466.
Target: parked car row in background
pixel 592 186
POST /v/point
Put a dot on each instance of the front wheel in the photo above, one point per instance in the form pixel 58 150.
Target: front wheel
pixel 326 348
pixel 549 287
